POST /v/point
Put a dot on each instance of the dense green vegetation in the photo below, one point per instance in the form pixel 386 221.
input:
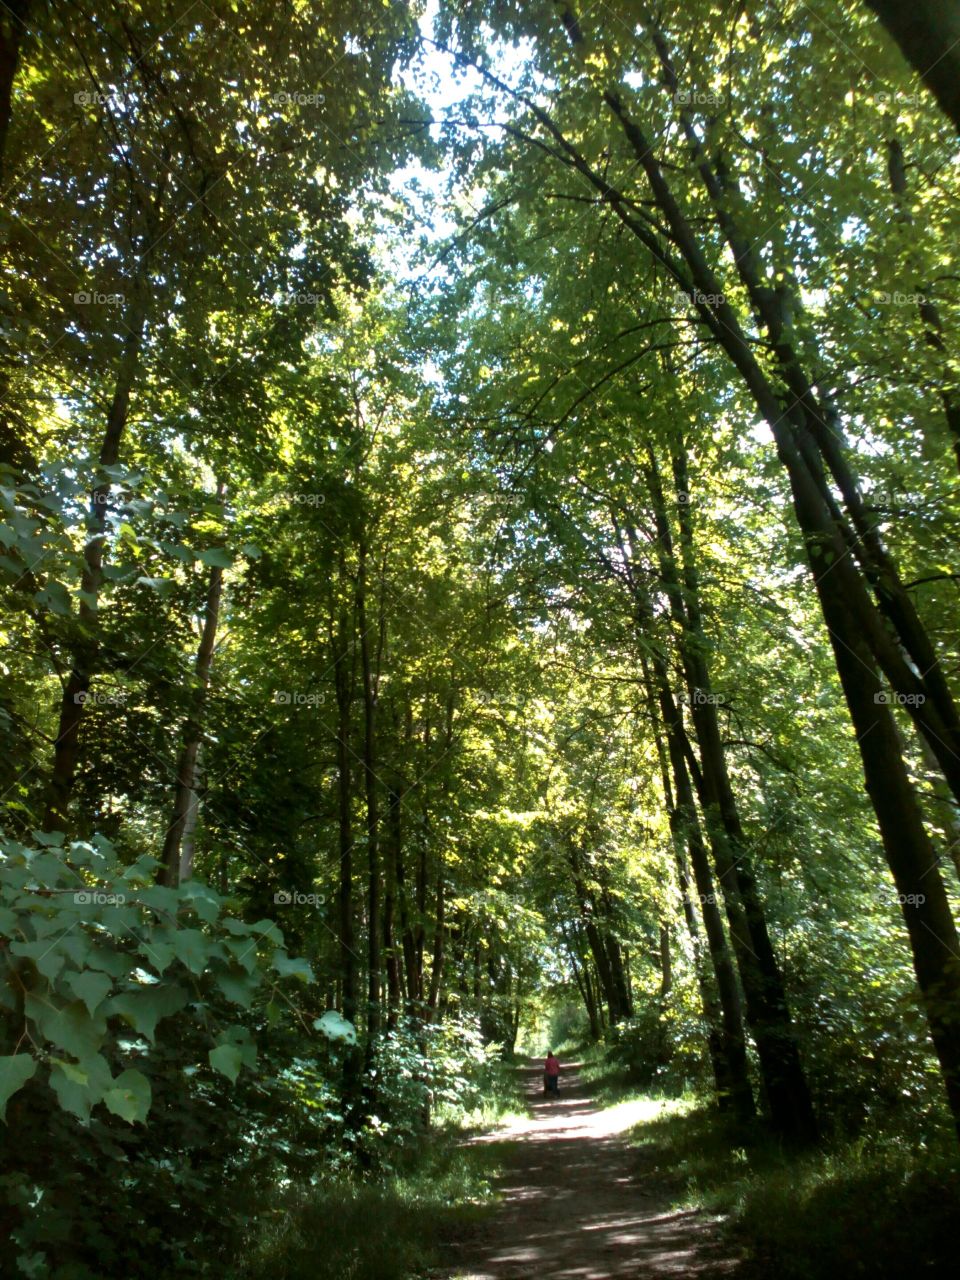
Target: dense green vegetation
pixel 479 567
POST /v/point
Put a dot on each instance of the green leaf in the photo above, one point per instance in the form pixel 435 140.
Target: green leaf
pixel 91 987
pixel 160 954
pixel 178 551
pixel 192 948
pixel 81 1085
pixel 226 1059
pixel 130 1096
pixel 47 956
pixel 15 1071
pixel 49 839
pixel 159 898
pixel 144 1009
pixel 268 929
pixel 204 901
pixel 292 967
pixel 68 1026
pixel 238 986
pixel 216 557
pixel 56 598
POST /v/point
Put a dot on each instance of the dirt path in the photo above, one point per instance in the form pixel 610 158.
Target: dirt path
pixel 573 1207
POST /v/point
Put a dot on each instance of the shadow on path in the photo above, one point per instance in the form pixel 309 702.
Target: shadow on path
pixel 571 1208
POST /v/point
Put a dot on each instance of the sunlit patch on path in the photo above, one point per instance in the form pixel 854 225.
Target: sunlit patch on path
pixel 571 1206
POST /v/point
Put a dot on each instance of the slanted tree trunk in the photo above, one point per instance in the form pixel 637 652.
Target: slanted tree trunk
pixel 913 666
pixel 928 34
pixel 843 601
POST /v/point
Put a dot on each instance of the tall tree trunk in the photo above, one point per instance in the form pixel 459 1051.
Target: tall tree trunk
pixel 618 974
pixel 188 842
pixel 601 958
pixel 844 606
pixel 13 17
pixel 373 832
pixel 439 934
pixel 582 979
pixel 391 958
pixel 395 830
pixel 184 796
pixel 723 1013
pixel 915 668
pixel 768 1013
pixel 77 688
pixel 928 34
pixel 343 681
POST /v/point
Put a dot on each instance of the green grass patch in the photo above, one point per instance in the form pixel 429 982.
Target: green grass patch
pixel 883 1207
pixel 393 1229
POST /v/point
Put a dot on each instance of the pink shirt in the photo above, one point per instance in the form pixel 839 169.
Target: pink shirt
pixel 553 1066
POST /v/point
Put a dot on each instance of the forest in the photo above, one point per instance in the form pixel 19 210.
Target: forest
pixel 479 526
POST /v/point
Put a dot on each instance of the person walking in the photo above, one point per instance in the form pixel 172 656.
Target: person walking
pixel 551 1073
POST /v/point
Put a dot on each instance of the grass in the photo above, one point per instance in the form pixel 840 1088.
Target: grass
pixel 399 1227
pixel 883 1208
pixel 395 1229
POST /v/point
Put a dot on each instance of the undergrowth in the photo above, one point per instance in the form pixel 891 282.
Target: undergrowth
pixel 884 1205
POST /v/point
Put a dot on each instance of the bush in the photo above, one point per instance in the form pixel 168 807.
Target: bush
pixel 135 1127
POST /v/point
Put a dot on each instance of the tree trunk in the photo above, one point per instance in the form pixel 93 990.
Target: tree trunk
pixel 439 933
pixel 369 679
pixel 916 668
pixel 392 960
pixel 184 797
pixel 342 682
pixel 842 601
pixel 723 1013
pixel 395 829
pixel 582 979
pixel 13 17
pixel 928 34
pixel 77 688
